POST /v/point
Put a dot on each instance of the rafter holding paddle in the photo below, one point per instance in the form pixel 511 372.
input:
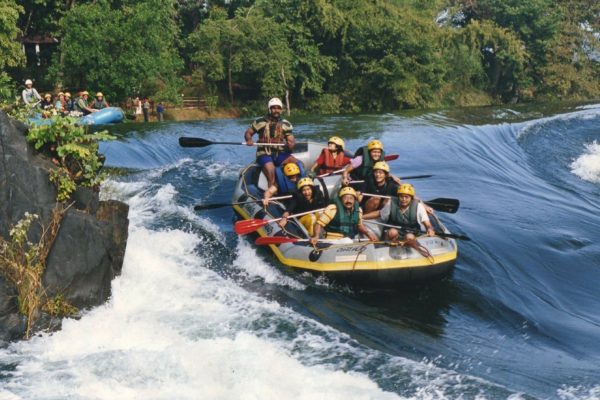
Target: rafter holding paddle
pixel 440 204
pixel 199 142
pixel 252 225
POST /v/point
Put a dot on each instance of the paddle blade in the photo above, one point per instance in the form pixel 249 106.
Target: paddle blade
pixel 444 205
pixel 200 207
pixel 391 157
pixel 193 142
pixel 415 177
pixel 262 241
pixel 249 226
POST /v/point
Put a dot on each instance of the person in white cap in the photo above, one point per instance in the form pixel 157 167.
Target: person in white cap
pixel 30 96
pixel 272 129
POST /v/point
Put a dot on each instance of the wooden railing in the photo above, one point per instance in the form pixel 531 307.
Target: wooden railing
pixel 193 102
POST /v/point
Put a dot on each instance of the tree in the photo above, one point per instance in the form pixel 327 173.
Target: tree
pixel 10 50
pixel 121 51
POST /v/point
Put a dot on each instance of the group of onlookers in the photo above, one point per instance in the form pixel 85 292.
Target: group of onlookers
pixel 62 103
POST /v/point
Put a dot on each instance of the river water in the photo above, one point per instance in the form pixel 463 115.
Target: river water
pixel 199 313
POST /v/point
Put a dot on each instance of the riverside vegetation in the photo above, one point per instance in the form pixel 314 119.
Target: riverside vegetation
pixel 323 56
pixel 22 262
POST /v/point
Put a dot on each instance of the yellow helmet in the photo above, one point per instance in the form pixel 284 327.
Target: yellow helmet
pixel 406 188
pixel 47 95
pixel 84 93
pixel 375 144
pixel 304 182
pixel 99 94
pixel 382 165
pixel 67 94
pixel 347 190
pixel 291 169
pixel 336 140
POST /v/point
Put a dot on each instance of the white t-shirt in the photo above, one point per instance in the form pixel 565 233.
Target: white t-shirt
pixel 421 214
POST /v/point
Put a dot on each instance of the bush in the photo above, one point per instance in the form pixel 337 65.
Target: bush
pixel 75 151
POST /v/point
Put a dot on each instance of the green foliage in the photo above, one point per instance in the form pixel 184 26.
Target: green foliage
pixel 59 307
pixel 7 89
pixel 10 49
pixel 501 55
pixel 361 55
pixel 77 152
pixel 22 264
pixel 325 104
pixel 120 49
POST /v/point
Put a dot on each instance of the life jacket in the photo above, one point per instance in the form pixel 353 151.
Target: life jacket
pixel 406 219
pixel 332 164
pixel 271 131
pixel 99 105
pixel 366 168
pixel 301 204
pixel 389 188
pixel 78 107
pixel 29 95
pixel 344 223
pixel 284 185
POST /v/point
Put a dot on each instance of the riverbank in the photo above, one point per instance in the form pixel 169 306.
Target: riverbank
pixel 192 114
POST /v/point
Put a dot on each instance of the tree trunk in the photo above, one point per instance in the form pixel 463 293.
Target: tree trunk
pixel 287 92
pixel 229 83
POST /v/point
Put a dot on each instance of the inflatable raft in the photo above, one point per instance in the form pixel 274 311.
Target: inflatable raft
pixel 108 115
pixel 347 260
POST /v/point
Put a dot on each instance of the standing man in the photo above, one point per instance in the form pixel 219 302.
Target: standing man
pixel 146 108
pixel 160 109
pixel 30 96
pixel 343 218
pixel 272 129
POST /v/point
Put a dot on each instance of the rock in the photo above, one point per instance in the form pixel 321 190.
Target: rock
pixel 90 246
pixel 12 324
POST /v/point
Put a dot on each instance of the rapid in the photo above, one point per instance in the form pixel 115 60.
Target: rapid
pixel 200 313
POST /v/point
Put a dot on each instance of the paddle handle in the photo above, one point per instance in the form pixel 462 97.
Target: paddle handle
pixel 289 196
pixel 295 215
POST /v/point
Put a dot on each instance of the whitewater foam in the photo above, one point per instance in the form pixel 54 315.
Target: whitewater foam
pixel 174 328
pixel 587 165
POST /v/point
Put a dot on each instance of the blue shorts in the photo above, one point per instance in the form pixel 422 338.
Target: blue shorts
pixel 277 160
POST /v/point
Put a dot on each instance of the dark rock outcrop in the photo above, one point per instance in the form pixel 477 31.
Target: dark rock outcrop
pixel 89 249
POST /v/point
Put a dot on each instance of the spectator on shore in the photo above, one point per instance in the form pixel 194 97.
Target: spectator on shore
pixel 160 109
pixel 146 108
pixel 138 107
pixel 30 96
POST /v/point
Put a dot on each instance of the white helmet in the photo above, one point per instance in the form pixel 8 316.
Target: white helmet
pixel 274 102
pixel 28 82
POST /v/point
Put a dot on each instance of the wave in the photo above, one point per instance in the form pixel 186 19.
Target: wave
pixel 587 165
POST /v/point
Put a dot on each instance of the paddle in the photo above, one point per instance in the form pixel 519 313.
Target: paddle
pixel 439 233
pixel 390 157
pixel 200 207
pixel 252 225
pixel 199 142
pixel 441 204
pixel 401 178
pixel 263 241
